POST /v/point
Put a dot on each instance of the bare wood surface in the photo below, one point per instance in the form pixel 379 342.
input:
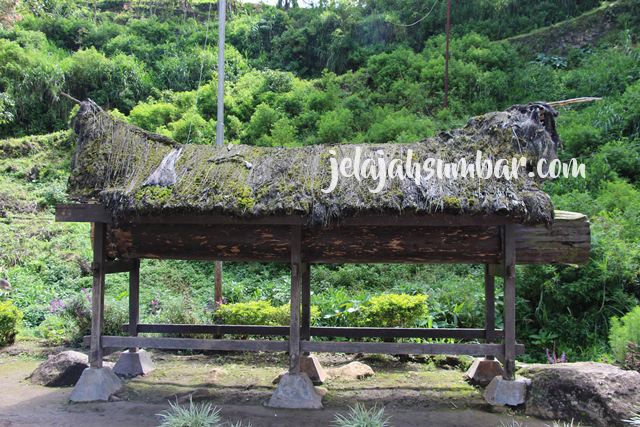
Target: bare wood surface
pixel 489 307
pixel 195 344
pixel 120 266
pixel 305 321
pixel 217 279
pixel 296 277
pixel 97 296
pixel 85 212
pixel 509 303
pixel 134 301
pixel 556 104
pixel 319 331
pixel 405 348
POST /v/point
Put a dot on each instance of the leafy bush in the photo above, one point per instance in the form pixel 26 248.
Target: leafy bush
pixel 393 310
pixel 255 313
pixel 359 416
pixel 10 318
pixel 624 338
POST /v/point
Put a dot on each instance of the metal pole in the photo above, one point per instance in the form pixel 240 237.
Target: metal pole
pixel 222 6
pixel 222 10
pixel 446 58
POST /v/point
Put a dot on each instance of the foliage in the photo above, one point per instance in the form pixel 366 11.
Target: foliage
pixel 10 319
pixel 203 415
pixel 392 310
pixel 255 313
pixel 359 416
pixel 624 337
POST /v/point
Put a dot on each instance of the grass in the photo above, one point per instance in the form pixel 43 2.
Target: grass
pixel 204 415
pixel 360 416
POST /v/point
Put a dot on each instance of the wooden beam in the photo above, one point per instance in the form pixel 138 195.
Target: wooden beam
pixel 97 295
pixel 110 342
pixel 211 329
pixel 405 348
pixel 134 301
pixel 426 333
pixel 305 323
pixel 495 270
pixel 319 331
pixel 489 307
pixel 294 333
pixel 85 212
pixel 120 266
pixel 509 302
pixel 217 282
pixel 195 344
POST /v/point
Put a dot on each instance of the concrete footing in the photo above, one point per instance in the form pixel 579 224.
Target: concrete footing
pixel 134 364
pixel 312 367
pixel 483 371
pixel 295 391
pixel 96 384
pixel 504 392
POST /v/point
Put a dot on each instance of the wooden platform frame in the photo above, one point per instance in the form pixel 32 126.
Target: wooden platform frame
pixel 493 241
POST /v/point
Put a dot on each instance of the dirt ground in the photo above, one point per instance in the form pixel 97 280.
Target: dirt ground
pixel 414 393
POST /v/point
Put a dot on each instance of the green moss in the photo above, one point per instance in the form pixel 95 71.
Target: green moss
pixel 154 195
pixel 452 202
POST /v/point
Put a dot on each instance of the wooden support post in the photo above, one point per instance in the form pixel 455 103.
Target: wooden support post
pixel 217 282
pixel 509 302
pixel 305 333
pixel 97 295
pixel 134 301
pixel 489 308
pixel 294 332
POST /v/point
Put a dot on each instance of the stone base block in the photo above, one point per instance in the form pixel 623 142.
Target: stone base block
pixel 134 364
pixel 312 367
pixel 96 384
pixel 483 371
pixel 295 391
pixel 504 392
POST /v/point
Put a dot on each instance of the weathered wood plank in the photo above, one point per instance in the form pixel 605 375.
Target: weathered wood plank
pixel 305 321
pixel 320 331
pixel 296 278
pixel 119 266
pixel 455 333
pixel 211 329
pixel 195 344
pixel 405 348
pixel 97 295
pixel 85 212
pixel 509 302
pixel 134 300
pixel 489 306
pixel 358 244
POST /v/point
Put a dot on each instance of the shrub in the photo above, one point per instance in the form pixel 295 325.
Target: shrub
pixel 255 313
pixel 624 338
pixel 10 318
pixel 393 310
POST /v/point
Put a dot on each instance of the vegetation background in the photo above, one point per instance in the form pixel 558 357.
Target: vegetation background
pixel 334 71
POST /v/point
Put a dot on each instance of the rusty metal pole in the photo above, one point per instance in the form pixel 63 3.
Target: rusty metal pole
pixel 446 57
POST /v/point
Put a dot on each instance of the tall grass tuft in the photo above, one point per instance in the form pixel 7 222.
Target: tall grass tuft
pixel 359 416
pixel 203 415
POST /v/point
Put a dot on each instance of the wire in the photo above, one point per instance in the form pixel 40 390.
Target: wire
pixel 206 42
pixel 419 20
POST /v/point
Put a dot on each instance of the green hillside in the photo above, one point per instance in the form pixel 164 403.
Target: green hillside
pixel 338 72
